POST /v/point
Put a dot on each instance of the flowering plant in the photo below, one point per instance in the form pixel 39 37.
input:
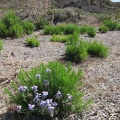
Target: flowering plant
pixel 47 91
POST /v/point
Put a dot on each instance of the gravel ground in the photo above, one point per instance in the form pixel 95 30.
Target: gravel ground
pixel 101 76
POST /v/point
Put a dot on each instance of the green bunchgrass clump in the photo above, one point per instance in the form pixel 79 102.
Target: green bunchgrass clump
pixel 41 23
pixel 60 38
pixel 83 29
pixel 12 26
pixel 103 29
pixel 98 49
pixel 47 91
pixel 112 25
pixel 53 29
pixel 76 50
pixel 91 31
pixel 60 29
pixel 70 28
pixel 1 45
pixel 33 42
pixel 27 27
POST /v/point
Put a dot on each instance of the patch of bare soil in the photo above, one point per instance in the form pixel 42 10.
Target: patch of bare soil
pixel 101 76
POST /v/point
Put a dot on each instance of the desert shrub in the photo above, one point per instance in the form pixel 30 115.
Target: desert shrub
pixel 54 29
pixel 103 29
pixel 60 38
pixel 1 45
pixel 70 28
pixel 103 17
pixel 98 49
pixel 47 91
pixel 76 50
pixel 12 26
pixel 112 25
pixel 11 19
pixel 83 29
pixel 27 27
pixel 91 31
pixel 16 31
pixel 41 23
pixel 33 42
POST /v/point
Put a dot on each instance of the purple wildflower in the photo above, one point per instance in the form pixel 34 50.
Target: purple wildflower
pixel 54 104
pixel 38 76
pixel 34 88
pixel 19 108
pixel 44 94
pixel 69 97
pixel 31 107
pixel 37 97
pixel 45 83
pixel 43 104
pixel 50 109
pixel 58 95
pixel 22 88
pixel 48 70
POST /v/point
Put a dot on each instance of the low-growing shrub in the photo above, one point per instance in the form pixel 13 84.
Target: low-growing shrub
pixel 27 27
pixel 1 45
pixel 54 29
pixel 47 91
pixel 41 23
pixel 33 42
pixel 83 29
pixel 60 38
pixel 16 31
pixel 13 26
pixel 91 31
pixel 103 29
pixel 70 28
pixel 76 50
pixel 98 49
pixel 111 25
pixel 60 29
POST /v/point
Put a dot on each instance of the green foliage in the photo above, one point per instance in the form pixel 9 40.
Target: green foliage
pixel 60 29
pixel 12 26
pixel 54 29
pixel 70 28
pixel 32 42
pixel 76 50
pixel 16 31
pixel 41 23
pixel 27 27
pixel 91 31
pixel 83 29
pixel 98 49
pixel 1 45
pixel 111 24
pixel 60 38
pixel 103 29
pixel 50 78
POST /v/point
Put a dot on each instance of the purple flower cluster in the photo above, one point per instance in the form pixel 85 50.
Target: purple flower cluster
pixel 22 88
pixel 44 94
pixel 37 97
pixel 31 107
pixel 58 95
pixel 48 104
pixel 34 88
pixel 38 76
pixel 45 83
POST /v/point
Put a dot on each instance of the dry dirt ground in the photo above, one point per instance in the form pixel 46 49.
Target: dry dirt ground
pixel 101 76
